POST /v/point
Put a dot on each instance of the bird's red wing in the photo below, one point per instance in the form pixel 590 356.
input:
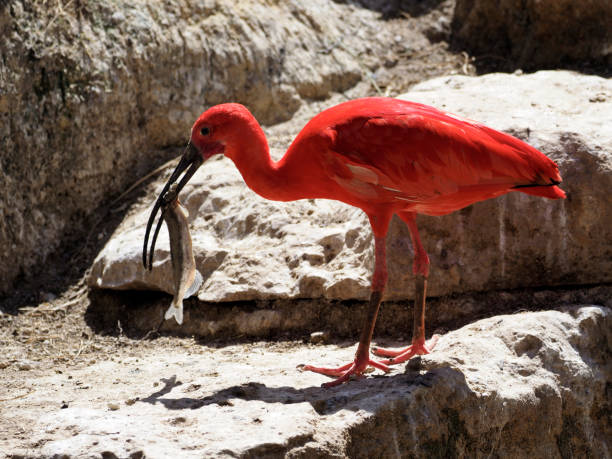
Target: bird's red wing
pixel 430 155
pixel 366 182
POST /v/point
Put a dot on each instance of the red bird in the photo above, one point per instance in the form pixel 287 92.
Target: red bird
pixel 385 156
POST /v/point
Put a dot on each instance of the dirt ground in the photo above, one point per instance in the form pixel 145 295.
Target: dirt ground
pixel 43 333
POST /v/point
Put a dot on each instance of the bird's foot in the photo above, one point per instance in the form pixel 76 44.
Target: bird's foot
pixel 346 372
pixel 418 347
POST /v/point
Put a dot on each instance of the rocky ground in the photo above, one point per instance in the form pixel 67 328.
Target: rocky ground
pixel 484 388
pixel 85 372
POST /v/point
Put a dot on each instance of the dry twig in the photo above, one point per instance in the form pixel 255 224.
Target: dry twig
pixel 141 180
pixel 17 397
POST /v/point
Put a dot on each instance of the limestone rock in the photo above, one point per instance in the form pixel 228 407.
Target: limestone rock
pixel 535 34
pixel 249 248
pixel 523 385
pixel 92 94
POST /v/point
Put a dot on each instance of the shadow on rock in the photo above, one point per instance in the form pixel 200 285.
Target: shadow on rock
pixel 357 395
pixel 141 314
pixel 395 8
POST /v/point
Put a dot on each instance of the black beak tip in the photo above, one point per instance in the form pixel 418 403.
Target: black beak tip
pixel 190 161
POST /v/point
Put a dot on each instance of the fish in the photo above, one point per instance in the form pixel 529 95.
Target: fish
pixel 187 279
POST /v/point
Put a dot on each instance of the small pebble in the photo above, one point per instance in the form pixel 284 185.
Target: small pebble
pixel 319 337
pixel 600 97
pixel 113 406
pixel 415 363
pixel 24 365
pixel 48 296
pixel 117 17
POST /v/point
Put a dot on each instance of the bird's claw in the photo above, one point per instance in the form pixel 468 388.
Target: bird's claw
pixel 418 347
pixel 344 373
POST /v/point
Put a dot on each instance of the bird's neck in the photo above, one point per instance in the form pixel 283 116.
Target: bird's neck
pixel 268 178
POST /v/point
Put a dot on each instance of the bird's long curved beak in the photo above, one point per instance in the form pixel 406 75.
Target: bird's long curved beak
pixel 190 161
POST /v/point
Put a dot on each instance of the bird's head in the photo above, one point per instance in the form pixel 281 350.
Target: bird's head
pixel 219 130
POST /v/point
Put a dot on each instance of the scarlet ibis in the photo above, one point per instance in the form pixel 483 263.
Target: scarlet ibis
pixel 385 156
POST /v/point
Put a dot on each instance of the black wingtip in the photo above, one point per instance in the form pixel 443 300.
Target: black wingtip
pixel 531 185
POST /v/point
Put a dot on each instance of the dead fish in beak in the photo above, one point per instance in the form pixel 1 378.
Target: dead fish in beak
pixel 187 279
pixel 189 164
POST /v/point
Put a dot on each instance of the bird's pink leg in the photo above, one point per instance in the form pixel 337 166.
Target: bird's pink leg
pixel 421 271
pixel 362 356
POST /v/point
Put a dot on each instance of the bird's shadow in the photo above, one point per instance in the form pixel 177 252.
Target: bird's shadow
pixel 324 401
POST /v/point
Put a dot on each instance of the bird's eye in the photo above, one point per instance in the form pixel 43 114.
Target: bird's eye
pixel 205 131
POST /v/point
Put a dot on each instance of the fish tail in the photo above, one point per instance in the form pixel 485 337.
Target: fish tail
pixel 176 311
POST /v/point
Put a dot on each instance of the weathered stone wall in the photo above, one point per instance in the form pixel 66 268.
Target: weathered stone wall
pixel 91 93
pixel 535 34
